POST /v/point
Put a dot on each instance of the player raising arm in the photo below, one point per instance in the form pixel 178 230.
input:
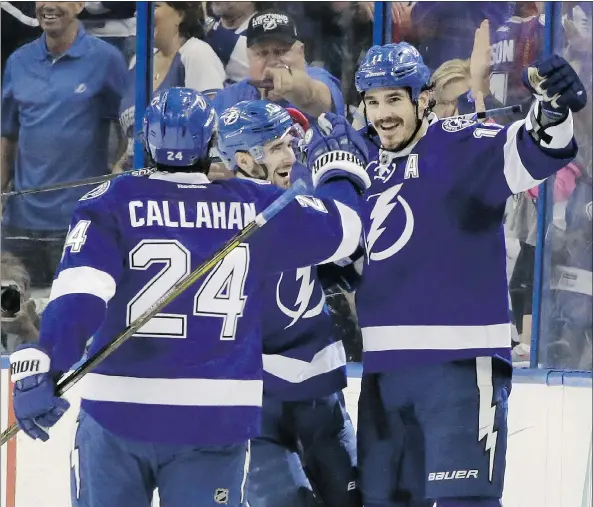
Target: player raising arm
pixel 175 406
pixel 304 416
pixel 432 304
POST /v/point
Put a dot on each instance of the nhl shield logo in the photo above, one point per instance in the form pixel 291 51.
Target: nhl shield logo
pixel 221 496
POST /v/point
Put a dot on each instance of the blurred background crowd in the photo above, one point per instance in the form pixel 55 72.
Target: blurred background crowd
pixel 68 90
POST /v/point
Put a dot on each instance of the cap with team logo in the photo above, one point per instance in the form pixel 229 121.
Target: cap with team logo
pixel 271 25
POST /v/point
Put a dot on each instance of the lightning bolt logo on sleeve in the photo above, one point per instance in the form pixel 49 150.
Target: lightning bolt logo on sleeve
pixel 382 209
pixel 303 298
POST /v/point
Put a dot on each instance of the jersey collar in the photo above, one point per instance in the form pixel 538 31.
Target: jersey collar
pixel 388 156
pixel 77 50
pixel 185 178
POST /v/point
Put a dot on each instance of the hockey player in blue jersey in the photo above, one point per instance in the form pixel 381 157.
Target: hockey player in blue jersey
pixel 432 304
pixel 174 407
pixel 304 414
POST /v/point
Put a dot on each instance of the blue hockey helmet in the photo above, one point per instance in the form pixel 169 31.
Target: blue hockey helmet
pixel 178 126
pixel 393 65
pixel 249 125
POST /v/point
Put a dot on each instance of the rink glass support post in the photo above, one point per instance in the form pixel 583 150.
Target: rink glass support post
pixel 143 74
pixel 382 24
pixel 545 204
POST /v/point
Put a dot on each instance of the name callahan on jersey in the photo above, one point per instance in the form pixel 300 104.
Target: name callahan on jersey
pixel 211 215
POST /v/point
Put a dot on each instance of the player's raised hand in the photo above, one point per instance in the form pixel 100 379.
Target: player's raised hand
pixel 336 150
pixel 556 84
pixel 36 407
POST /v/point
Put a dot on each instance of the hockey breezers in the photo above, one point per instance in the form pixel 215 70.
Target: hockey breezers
pixel 70 379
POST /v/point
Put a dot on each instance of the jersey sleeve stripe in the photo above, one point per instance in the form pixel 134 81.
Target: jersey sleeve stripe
pixel 83 280
pixel 351 231
pixel 190 392
pixel 296 370
pixel 435 337
pixel 517 176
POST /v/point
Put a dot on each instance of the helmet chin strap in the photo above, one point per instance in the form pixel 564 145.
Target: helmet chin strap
pixel 247 175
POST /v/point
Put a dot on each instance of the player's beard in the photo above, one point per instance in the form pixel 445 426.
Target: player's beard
pixel 393 132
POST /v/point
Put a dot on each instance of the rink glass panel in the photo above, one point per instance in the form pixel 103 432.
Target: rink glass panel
pixel 566 325
pixel 33 250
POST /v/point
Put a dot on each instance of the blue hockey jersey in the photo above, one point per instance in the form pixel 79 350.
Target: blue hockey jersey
pixel 302 360
pixel 434 282
pixel 515 45
pixel 198 363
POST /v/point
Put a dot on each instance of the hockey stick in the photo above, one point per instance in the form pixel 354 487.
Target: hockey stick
pixel 95 180
pixel 482 115
pixel 69 380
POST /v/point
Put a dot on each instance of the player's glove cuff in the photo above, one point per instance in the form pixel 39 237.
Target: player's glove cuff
pixel 341 164
pixel 546 132
pixel 28 361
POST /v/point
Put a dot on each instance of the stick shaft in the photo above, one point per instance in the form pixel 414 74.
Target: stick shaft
pixel 96 180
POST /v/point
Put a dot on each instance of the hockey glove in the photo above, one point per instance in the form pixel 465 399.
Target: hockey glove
pixel 342 276
pixel 336 150
pixel 36 406
pixel 556 85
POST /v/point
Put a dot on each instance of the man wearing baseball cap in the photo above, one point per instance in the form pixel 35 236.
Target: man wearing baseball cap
pixel 276 55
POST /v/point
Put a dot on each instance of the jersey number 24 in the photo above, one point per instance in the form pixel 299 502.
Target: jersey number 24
pixel 220 295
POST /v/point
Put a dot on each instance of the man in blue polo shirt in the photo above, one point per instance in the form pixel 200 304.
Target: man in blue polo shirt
pixel 59 95
pixel 275 54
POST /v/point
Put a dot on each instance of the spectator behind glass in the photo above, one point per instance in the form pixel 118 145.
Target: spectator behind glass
pixel 445 30
pixel 20 314
pixel 60 93
pixel 19 26
pixel 517 43
pixel 227 38
pixel 567 334
pixel 181 58
pixel 114 22
pixel 276 53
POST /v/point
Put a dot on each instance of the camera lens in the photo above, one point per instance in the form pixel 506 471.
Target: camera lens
pixel 10 301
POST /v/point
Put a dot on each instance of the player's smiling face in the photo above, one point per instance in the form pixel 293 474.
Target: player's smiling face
pixel 392 113
pixel 279 158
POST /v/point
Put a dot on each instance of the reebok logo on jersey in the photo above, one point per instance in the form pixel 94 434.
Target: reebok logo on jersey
pixel 453 474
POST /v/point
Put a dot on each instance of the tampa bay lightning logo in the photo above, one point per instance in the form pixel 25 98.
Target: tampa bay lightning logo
pixel 96 192
pixel 387 203
pixel 230 117
pixel 457 123
pixel 303 299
